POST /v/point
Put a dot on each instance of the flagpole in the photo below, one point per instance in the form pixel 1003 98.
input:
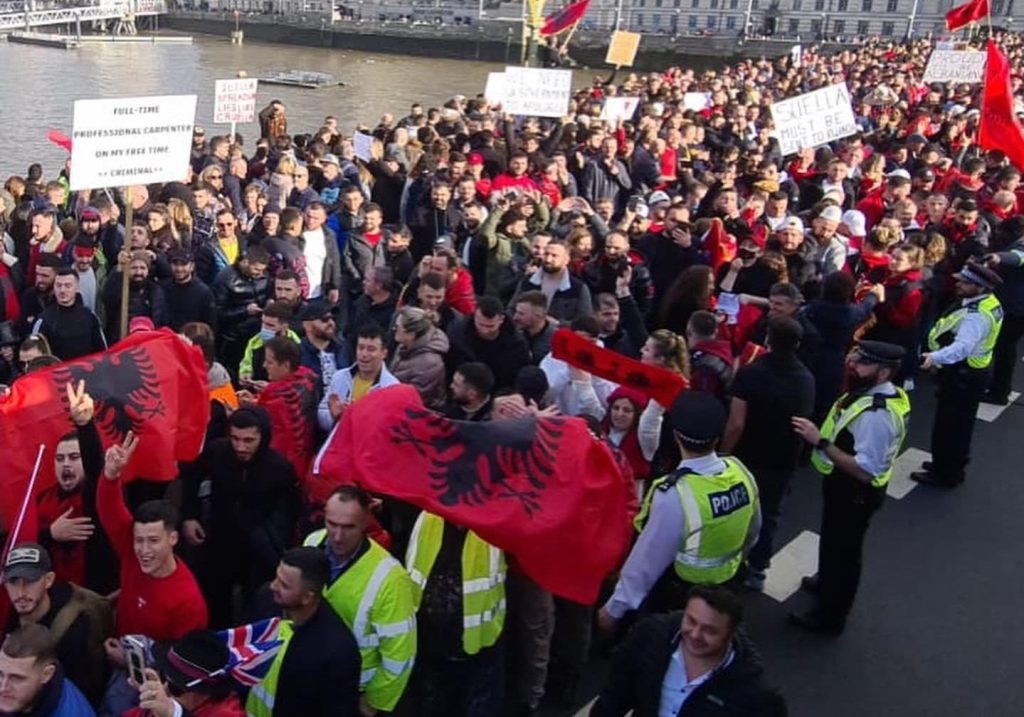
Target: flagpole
pixel 572 31
pixel 30 494
pixel 128 221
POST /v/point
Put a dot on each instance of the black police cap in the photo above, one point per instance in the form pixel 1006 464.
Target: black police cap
pixel 880 352
pixel 698 418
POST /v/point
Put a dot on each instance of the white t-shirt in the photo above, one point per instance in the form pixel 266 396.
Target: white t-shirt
pixel 315 253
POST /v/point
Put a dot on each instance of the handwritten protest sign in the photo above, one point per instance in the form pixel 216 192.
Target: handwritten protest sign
pixel 537 93
pixel 813 119
pixel 619 108
pixel 696 101
pixel 954 66
pixel 234 101
pixel 131 140
pixel 622 48
pixel 362 145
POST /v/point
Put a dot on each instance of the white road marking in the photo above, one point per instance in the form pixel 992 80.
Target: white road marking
pixel 586 709
pixel 990 412
pixel 908 462
pixel 798 558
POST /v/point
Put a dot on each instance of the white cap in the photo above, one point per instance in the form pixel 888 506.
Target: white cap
pixel 832 214
pixel 856 225
pixel 794 223
pixel 899 173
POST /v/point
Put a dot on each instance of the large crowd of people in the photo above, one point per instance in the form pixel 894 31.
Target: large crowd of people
pixel 801 296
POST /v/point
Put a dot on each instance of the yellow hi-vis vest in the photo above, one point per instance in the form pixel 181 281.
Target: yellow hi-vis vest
pixel 483 580
pixel 898 406
pixel 718 509
pixel 944 329
pixel 260 702
pixel 374 597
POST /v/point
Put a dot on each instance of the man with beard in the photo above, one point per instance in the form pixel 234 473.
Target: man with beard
pixel 961 345
pixel 240 505
pixel 472 388
pixel 568 297
pixel 855 450
pixel 37 297
pixel 323 352
pixel 70 328
pixel 78 620
pixel 601 274
pixel 81 554
pixel 145 296
pixel 188 299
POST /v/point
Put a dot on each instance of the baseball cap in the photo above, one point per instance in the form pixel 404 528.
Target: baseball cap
pixel 30 561
pixel 475 158
pixel 832 214
pixel 658 197
pixel 331 159
pixel 179 255
pixel 141 323
pixel 898 173
pixel 89 214
pixel 315 309
pixel 794 223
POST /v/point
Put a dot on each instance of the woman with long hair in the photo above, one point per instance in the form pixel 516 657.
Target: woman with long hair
pixel 692 291
pixel 665 349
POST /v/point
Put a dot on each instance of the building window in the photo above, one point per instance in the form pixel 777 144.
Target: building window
pixel 867 6
pixel 797 5
pixel 733 4
pixel 999 7
pixel 890 5
pixel 712 20
pixel 843 5
pixel 657 3
pixel 675 3
pixel 862 27
pixel 730 22
pixel 838 27
pixel 640 20
pixel 888 28
pixel 691 22
pixel 755 5
pixel 815 27
pixel 695 3
pixel 656 19
pixel 714 4
pixel 794 26
pixel 819 5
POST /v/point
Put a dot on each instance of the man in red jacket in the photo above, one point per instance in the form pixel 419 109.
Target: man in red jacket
pixel 159 595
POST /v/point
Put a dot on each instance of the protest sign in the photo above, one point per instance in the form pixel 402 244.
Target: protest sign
pixel 234 101
pixel 362 144
pixel 796 55
pixel 619 108
pixel 813 119
pixel 537 93
pixel 494 91
pixel 622 48
pixel 131 140
pixel 954 66
pixel 696 101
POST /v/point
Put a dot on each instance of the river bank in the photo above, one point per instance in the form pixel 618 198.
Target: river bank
pixel 495 43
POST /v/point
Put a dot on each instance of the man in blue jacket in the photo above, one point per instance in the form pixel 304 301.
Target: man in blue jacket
pixel 32 682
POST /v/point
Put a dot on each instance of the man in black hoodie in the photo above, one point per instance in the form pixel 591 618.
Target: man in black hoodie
pixel 710 665
pixel 488 337
pixel 188 298
pixel 70 328
pixel 240 504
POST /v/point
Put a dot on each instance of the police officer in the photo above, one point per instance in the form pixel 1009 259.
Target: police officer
pixel 855 449
pixel 960 345
pixel 700 520
pixel 373 594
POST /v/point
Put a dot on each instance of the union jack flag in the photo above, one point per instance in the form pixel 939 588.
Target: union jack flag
pixel 252 648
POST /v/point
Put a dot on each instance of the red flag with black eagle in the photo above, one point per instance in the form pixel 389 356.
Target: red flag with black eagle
pixel 152 383
pixel 660 384
pixel 564 18
pixel 999 127
pixel 965 14
pixel 291 403
pixel 542 489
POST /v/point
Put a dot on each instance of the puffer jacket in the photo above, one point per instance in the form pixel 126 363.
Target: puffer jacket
pixel 422 366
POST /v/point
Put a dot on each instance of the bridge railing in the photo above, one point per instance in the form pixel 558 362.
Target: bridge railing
pixel 105 10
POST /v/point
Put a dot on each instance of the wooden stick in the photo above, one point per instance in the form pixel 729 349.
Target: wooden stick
pixel 128 221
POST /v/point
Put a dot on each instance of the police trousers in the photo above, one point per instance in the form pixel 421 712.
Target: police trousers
pixel 848 505
pixel 960 392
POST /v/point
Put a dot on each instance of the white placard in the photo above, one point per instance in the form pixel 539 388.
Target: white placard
pixel 131 140
pixel 945 45
pixel 537 93
pixel 619 108
pixel 494 91
pixel 234 100
pixel 953 66
pixel 813 119
pixel 796 54
pixel 362 144
pixel 696 101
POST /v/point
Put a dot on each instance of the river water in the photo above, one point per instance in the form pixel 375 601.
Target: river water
pixel 42 84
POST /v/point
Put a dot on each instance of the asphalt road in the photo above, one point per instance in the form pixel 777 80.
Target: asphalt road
pixel 937 626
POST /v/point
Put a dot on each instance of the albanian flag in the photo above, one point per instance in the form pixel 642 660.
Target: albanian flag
pixel 999 127
pixel 543 490
pixel 291 404
pixel 660 384
pixel 151 383
pixel 966 14
pixel 59 138
pixel 564 18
